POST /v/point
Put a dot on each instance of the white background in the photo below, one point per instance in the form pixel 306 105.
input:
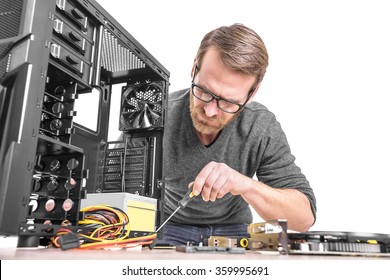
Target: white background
pixel 327 83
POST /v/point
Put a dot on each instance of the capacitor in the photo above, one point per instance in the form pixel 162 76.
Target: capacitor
pixel 50 205
pixel 59 90
pixel 72 164
pixel 55 124
pixel 57 108
pixel 47 222
pixel 52 185
pixel 70 184
pixel 55 165
pixel 67 204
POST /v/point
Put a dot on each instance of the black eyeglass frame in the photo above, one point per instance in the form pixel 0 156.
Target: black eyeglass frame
pixel 216 97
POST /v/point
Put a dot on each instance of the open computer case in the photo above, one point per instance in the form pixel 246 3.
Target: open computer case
pixel 52 55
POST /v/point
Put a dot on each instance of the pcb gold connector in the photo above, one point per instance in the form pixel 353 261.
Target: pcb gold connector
pixel 227 241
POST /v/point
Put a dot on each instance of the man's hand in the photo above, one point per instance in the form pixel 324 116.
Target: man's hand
pixel 217 179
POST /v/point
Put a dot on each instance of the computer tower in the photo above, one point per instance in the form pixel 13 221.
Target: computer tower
pixel 52 55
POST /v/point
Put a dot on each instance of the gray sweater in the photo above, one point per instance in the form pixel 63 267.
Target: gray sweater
pixel 253 144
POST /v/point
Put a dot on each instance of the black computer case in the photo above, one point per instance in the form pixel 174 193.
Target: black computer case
pixel 52 53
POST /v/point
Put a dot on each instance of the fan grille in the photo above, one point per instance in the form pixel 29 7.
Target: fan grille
pixel 141 107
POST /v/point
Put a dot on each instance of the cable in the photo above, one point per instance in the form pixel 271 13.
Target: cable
pixel 103 227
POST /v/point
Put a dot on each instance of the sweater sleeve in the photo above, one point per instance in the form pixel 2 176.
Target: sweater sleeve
pixel 277 166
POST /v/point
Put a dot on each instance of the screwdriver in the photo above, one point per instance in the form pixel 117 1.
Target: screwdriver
pixel 182 203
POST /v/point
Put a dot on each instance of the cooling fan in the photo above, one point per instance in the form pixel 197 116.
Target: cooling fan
pixel 141 107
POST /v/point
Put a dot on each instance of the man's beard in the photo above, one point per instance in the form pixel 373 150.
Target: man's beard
pixel 211 125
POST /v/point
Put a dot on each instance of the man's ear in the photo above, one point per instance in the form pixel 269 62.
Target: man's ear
pixel 193 69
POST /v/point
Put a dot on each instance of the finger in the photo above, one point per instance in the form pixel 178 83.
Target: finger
pixel 191 186
pixel 216 180
pixel 204 181
pixel 209 185
pixel 223 191
pixel 219 183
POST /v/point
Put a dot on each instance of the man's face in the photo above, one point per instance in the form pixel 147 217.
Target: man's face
pixel 213 76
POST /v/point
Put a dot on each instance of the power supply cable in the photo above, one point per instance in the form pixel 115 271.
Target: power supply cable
pixel 103 227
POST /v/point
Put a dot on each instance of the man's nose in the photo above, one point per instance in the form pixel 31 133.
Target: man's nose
pixel 211 108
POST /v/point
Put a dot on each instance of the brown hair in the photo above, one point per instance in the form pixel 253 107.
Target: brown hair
pixel 241 49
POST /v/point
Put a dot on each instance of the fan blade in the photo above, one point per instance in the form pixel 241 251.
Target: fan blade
pixel 152 102
pixel 127 119
pixel 154 115
pixel 145 122
pixel 129 91
pixel 132 119
pixel 129 104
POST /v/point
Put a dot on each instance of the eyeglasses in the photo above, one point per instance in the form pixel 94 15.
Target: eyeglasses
pixel 207 96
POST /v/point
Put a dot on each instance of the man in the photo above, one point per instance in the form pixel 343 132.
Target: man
pixel 217 138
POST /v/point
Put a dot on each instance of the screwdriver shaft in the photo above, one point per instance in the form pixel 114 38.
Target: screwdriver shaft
pixel 174 212
pixel 182 203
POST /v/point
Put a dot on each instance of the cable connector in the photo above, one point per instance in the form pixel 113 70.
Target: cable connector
pixel 69 241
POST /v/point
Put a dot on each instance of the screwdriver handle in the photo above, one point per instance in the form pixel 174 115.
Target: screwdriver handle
pixel 187 197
